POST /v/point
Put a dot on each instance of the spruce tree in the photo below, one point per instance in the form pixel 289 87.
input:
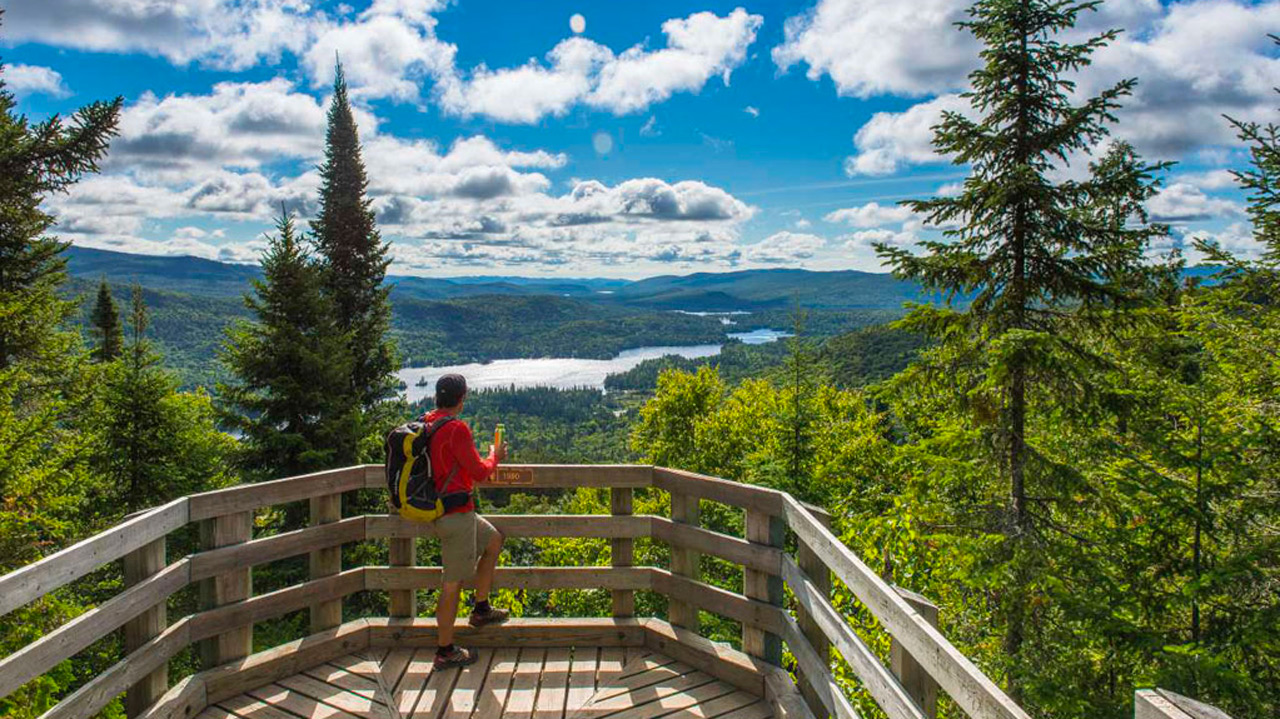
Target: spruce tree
pixel 355 261
pixel 1260 278
pixel 35 161
pixel 108 333
pixel 800 377
pixel 289 400
pixel 1034 255
pixel 45 390
pixel 155 443
pixel 42 387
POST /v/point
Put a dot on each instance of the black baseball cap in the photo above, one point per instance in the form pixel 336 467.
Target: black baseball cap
pixel 450 389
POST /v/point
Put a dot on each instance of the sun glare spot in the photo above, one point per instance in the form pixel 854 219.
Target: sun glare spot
pixel 602 142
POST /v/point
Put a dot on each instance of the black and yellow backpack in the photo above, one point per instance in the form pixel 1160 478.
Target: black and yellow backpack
pixel 410 479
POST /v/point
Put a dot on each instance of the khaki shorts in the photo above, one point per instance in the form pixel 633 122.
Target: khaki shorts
pixel 463 537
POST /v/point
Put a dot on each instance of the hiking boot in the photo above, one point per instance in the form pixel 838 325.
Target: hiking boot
pixel 490 616
pixel 458 657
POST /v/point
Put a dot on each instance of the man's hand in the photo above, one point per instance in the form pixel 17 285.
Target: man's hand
pixel 499 452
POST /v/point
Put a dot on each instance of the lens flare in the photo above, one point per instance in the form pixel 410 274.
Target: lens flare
pixel 602 142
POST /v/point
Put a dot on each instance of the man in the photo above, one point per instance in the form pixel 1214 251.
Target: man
pixel 463 533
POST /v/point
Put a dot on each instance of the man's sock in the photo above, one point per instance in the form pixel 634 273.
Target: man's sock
pixel 482 606
pixel 441 651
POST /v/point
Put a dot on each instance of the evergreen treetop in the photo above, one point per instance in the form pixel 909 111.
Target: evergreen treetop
pixel 1017 237
pixel 1262 183
pixel 353 255
pixel 289 399
pixel 105 320
pixel 36 160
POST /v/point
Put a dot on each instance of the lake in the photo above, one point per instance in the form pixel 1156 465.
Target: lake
pixel 563 372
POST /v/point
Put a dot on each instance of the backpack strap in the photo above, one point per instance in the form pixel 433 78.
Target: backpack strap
pixel 432 428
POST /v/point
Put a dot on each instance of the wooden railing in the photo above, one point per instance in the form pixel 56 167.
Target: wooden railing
pixel 924 661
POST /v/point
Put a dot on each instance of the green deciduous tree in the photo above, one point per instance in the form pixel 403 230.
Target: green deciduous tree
pixel 354 260
pixel 107 331
pixel 1035 255
pixel 288 402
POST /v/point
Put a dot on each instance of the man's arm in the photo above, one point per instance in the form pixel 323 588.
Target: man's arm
pixel 464 449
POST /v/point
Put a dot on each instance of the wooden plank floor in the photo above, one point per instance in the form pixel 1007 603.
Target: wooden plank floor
pixel 528 683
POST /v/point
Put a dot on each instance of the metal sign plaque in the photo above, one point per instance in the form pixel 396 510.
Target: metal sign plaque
pixel 510 476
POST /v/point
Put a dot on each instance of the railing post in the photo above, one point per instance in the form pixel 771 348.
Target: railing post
pixel 326 562
pixel 685 509
pixel 820 575
pixel 404 553
pixel 138 565
pixel 919 685
pixel 769 530
pixel 233 586
pixel 622 550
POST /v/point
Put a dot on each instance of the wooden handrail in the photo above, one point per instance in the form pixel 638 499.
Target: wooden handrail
pixel 815 667
pixel 1164 704
pixel 89 699
pixel 247 497
pixel 746 496
pixel 879 682
pixel 61 568
pixel 212 562
pixel 547 476
pixel 972 690
pixel 599 526
pixel 761 554
pixel 64 642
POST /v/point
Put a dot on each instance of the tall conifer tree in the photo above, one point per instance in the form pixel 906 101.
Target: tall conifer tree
pixel 41 390
pixel 1034 254
pixel 154 443
pixel 107 331
pixel 354 259
pixel 45 392
pixel 1259 278
pixel 289 400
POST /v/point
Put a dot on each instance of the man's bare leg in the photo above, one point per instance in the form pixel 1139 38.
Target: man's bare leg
pixel 485 566
pixel 447 612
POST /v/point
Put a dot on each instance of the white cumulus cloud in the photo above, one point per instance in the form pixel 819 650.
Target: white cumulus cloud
pixel 784 248
pixel 579 71
pixel 872 214
pixel 1184 202
pixel 872 47
pixel 387 52
pixel 892 141
pixel 33 79
pixel 1195 61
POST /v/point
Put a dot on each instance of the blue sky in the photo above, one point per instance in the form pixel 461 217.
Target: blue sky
pixel 665 137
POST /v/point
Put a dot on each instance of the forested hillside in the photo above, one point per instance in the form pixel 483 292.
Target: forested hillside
pixel 497 327
pixel 189 328
pixel 440 322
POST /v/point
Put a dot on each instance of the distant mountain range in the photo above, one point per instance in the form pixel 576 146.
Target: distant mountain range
pixel 704 291
pixel 455 320
pixel 774 289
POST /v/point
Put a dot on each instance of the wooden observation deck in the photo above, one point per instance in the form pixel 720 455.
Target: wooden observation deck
pixel 616 667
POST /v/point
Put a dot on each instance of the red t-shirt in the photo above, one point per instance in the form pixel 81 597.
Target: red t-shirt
pixel 453 446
